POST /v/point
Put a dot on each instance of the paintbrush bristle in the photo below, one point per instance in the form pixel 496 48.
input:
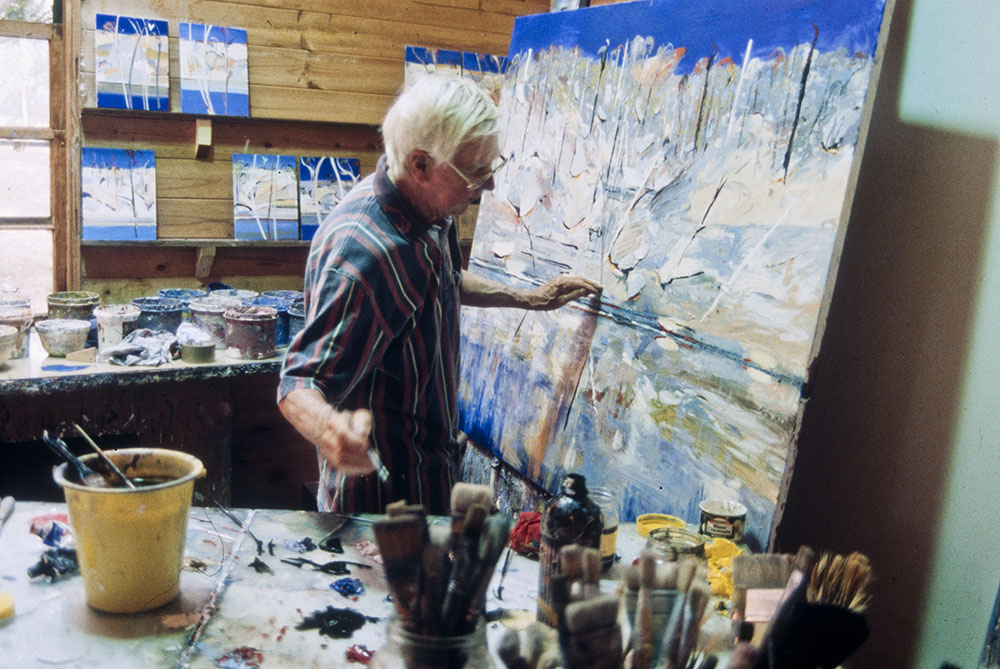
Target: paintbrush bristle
pixel 464 495
pixel 685 573
pixel 591 566
pixel 647 569
pixel 841 581
pixel 666 576
pixel 571 561
pixel 599 611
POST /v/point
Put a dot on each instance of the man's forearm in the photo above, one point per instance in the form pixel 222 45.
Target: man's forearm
pixel 478 291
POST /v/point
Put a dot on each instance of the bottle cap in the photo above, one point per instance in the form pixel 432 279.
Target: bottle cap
pixel 575 485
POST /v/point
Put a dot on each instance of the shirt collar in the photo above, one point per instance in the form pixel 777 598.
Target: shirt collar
pixel 403 214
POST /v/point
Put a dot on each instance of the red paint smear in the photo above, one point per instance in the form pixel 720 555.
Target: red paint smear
pixel 358 653
pixel 245 656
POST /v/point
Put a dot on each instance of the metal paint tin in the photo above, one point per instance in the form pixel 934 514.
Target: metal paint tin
pixel 185 295
pixel 209 315
pixel 279 304
pixel 159 313
pixel 296 319
pixel 250 332
pixel 198 353
pixel 723 518
pixel 73 305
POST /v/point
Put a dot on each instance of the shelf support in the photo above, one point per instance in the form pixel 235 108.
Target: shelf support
pixel 203 265
pixel 203 138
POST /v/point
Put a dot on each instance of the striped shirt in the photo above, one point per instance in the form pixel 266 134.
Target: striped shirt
pixel 381 333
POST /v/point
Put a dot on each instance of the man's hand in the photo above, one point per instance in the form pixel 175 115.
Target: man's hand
pixel 342 437
pixel 561 290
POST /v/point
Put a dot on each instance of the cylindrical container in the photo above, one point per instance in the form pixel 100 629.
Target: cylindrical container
pixel 159 313
pixel 296 319
pixel 208 314
pixel 670 544
pixel 250 332
pixel 723 518
pixel 62 336
pixel 606 502
pixel 130 543
pixel 289 295
pixel 185 295
pixel 407 650
pixel 570 517
pixel 280 305
pixel 114 321
pixel 18 316
pixel 238 293
pixel 8 336
pixel 73 304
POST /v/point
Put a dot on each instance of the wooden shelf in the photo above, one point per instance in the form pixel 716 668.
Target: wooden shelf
pixel 199 243
pixel 204 259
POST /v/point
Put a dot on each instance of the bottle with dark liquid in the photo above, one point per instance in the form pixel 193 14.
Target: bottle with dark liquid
pixel 570 517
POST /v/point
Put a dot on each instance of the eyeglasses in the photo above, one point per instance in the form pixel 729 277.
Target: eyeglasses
pixel 478 182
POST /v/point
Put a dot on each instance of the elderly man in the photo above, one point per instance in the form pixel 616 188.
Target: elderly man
pixel 376 365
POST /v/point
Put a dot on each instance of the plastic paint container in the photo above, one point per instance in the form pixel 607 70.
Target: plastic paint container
pixel 159 313
pixel 63 335
pixel 289 295
pixel 251 332
pixel 8 336
pixel 114 321
pixel 722 518
pixel 130 543
pixel 296 319
pixel 280 305
pixel 185 295
pixel 238 293
pixel 74 304
pixel 208 314
pixel 18 317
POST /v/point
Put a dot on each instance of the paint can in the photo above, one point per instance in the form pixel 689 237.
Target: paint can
pixel 251 331
pixel 296 319
pixel 239 293
pixel 208 314
pixel 280 305
pixel 185 295
pixel 8 337
pixel 19 317
pixel 114 321
pixel 73 305
pixel 159 313
pixel 197 353
pixel 288 295
pixel 60 336
pixel 130 543
pixel 723 518
pixel 608 505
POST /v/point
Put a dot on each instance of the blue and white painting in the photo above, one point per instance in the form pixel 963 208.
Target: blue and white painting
pixel 214 70
pixel 118 199
pixel 265 197
pixel 131 63
pixel 323 183
pixel 485 69
pixel 698 159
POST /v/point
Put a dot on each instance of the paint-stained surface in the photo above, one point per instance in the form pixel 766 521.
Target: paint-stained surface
pixel 697 160
pixel 131 63
pixel 118 193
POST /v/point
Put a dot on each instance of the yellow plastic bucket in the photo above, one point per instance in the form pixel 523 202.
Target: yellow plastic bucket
pixel 130 543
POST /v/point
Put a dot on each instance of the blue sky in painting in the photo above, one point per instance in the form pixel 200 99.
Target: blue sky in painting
pixel 702 26
pixel 128 25
pixel 476 62
pixel 196 32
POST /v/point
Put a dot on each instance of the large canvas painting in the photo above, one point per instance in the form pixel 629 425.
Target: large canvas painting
pixel 485 69
pixel 214 70
pixel 698 159
pixel 323 183
pixel 118 194
pixel 265 197
pixel 132 67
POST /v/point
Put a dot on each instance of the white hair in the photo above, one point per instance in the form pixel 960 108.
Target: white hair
pixel 437 114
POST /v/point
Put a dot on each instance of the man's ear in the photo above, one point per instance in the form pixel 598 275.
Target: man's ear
pixel 420 164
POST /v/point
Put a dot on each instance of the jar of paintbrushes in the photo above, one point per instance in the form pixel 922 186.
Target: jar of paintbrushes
pixel 439 576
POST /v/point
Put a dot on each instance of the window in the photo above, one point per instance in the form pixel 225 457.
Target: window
pixel 26 160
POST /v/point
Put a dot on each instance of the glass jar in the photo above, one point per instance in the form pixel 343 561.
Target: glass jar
pixel 608 504
pixel 407 650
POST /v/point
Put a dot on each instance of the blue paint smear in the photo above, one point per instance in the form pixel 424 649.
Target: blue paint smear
pixel 64 368
pixel 719 27
pixel 348 587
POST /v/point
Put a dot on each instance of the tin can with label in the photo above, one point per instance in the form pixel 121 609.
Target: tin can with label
pixel 722 518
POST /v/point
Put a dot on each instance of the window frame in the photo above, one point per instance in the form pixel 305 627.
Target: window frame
pixel 62 134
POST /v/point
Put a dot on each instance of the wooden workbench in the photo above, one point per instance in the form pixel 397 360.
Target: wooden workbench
pixel 54 626
pixel 223 412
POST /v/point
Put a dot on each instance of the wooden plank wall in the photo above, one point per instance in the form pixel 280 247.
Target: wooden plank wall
pixel 322 74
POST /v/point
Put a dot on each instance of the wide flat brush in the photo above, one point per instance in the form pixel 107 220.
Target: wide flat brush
pixel 401 542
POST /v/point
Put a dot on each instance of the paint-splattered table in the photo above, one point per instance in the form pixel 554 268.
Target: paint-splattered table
pixel 256 615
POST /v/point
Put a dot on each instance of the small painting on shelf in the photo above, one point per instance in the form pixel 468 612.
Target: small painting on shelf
pixel 131 63
pixel 484 68
pixel 214 73
pixel 265 197
pixel 323 183
pixel 118 200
